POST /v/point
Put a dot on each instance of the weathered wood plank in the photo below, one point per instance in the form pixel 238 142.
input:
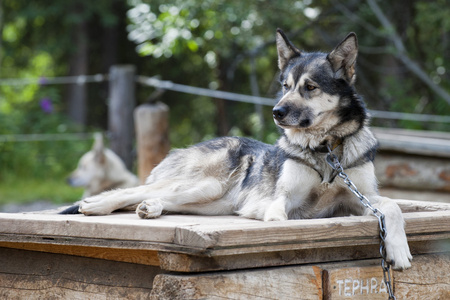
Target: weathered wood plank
pixel 428 278
pixel 138 256
pixel 261 257
pixel 178 262
pixel 36 275
pixel 415 195
pixel 116 226
pixel 314 230
pixel 414 142
pixel 315 233
pixel 421 206
pixel 354 280
pixel 112 227
pixel 304 282
pixel 203 235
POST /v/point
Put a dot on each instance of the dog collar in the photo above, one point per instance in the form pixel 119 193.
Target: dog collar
pixel 324 148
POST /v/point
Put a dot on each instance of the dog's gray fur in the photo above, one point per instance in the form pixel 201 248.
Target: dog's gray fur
pixel 318 107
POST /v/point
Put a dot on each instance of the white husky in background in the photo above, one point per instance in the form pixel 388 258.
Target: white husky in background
pixel 100 170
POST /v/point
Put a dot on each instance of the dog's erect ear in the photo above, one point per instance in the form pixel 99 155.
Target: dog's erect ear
pixel 343 58
pixel 99 148
pixel 286 50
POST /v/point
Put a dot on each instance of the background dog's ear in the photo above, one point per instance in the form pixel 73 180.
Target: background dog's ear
pixel 99 148
pixel 343 58
pixel 286 50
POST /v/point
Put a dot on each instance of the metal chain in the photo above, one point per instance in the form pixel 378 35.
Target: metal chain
pixel 333 161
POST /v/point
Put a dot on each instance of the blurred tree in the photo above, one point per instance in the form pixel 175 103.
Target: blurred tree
pixel 216 34
pixel 227 35
pixel 70 32
pixel 226 45
pixel 402 50
pixel 222 45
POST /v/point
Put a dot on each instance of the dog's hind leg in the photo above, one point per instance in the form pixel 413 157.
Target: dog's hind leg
pixel 186 197
pixel 107 202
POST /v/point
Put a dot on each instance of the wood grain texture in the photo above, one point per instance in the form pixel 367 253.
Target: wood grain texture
pixel 408 206
pixel 280 283
pixel 357 280
pixel 434 144
pixel 213 236
pixel 304 234
pixel 192 263
pixel 180 262
pixel 428 278
pixel 151 122
pixel 143 257
pixel 36 275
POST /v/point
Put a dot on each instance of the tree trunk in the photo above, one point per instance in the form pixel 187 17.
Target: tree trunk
pixel 120 111
pixel 76 92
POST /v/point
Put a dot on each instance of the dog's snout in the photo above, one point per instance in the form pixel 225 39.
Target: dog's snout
pixel 280 112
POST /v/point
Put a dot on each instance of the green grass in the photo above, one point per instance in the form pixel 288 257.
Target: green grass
pixel 19 191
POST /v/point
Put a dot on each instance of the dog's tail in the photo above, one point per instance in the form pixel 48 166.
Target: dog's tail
pixel 72 210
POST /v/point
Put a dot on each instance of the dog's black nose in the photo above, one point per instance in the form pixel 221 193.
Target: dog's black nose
pixel 280 112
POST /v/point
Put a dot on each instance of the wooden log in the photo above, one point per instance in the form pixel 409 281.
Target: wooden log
pixel 152 133
pixel 427 279
pixel 413 172
pixel 36 275
pixel 303 282
pixel 120 111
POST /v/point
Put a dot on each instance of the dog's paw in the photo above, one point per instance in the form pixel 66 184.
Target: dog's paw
pixel 275 215
pixel 397 252
pixel 95 206
pixel 149 209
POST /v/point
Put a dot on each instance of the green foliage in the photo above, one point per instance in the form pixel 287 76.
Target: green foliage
pixel 36 43
pixel 28 190
pixel 207 43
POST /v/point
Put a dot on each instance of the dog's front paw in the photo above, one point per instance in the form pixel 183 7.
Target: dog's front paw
pixel 95 206
pixel 397 252
pixel 149 209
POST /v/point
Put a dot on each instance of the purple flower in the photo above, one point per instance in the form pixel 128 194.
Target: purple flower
pixel 46 105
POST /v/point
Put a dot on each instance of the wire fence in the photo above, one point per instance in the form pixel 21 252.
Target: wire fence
pixel 81 79
pixel 45 137
pixel 171 86
pixel 168 85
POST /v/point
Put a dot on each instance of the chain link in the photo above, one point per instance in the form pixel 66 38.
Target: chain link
pixel 334 163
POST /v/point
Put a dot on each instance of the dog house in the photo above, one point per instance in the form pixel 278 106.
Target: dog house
pixel 48 256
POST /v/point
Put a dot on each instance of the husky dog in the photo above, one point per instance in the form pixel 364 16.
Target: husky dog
pixel 100 170
pixel 318 108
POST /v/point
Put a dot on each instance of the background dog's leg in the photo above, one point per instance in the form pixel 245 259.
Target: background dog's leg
pixel 186 197
pixel 397 249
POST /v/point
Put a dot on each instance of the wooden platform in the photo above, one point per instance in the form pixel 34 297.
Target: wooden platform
pixel 196 257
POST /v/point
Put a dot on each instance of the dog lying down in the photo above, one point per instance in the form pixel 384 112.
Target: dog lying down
pixel 99 170
pixel 317 108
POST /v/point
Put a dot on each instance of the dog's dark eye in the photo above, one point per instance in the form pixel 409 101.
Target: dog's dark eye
pixel 285 85
pixel 310 87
